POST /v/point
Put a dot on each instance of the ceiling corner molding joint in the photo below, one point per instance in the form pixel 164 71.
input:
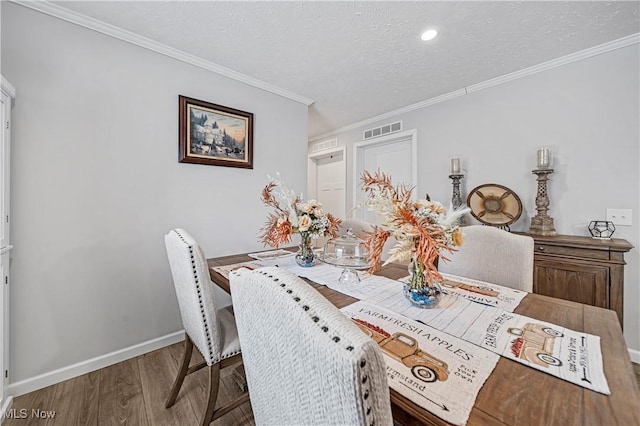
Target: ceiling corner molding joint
pixel 130 37
pixel 7 87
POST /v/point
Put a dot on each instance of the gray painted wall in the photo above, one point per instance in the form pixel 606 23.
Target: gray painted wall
pixel 96 184
pixel 586 112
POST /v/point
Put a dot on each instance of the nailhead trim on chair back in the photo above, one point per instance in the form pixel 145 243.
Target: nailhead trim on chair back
pixel 195 293
pixel 306 363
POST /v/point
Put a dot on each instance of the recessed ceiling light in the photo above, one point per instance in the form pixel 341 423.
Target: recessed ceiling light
pixel 429 35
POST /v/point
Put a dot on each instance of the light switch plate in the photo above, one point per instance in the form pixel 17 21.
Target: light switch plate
pixel 620 217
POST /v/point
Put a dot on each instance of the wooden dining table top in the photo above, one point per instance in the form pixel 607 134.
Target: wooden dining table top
pixel 515 394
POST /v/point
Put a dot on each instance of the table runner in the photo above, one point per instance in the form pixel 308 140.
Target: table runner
pixel 572 356
pixel 474 290
pixel 441 373
pixel 483 292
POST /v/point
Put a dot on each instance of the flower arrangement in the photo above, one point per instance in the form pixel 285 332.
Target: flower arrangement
pixel 423 229
pixel 293 215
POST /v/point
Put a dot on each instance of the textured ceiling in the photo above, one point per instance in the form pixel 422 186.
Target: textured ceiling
pixel 361 59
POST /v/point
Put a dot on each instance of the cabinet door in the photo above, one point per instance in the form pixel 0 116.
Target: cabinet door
pixel 576 282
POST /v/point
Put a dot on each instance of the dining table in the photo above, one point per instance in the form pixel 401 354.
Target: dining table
pixel 515 394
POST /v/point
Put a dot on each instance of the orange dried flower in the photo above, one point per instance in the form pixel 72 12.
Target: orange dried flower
pixel 292 215
pixel 422 228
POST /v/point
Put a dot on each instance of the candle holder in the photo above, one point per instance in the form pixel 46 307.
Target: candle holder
pixel 456 198
pixel 542 223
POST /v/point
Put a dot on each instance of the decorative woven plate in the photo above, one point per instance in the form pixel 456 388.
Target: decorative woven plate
pixel 494 204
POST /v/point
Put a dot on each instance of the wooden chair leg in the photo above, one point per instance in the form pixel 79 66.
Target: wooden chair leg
pixel 214 385
pixel 182 373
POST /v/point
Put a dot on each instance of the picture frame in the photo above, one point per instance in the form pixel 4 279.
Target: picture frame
pixel 215 135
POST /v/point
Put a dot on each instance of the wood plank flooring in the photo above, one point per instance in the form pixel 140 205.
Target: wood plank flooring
pixel 132 392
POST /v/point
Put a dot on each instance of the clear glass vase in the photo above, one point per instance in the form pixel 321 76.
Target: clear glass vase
pixel 305 256
pixel 419 289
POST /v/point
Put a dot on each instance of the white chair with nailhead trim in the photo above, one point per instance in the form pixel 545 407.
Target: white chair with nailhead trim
pixel 306 363
pixel 493 255
pixel 212 331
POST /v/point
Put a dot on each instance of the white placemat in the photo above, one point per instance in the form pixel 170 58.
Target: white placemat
pixel 271 254
pixel 224 270
pixel 439 372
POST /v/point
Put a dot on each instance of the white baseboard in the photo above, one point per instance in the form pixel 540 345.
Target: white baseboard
pixel 5 407
pixel 75 370
pixel 634 355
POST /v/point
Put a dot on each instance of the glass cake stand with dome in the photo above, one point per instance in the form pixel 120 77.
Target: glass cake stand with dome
pixel 348 252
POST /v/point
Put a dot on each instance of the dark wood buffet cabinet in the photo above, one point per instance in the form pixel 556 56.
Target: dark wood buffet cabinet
pixel 581 269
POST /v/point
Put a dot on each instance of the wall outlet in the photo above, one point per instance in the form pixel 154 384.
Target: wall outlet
pixel 620 217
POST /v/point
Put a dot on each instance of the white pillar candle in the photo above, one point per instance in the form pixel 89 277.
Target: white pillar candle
pixel 455 166
pixel 544 157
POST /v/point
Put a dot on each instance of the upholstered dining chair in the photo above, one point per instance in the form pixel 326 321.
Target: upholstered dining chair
pixel 493 255
pixel 359 227
pixel 305 361
pixel 212 331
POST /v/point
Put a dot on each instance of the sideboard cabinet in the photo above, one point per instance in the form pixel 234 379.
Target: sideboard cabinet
pixel 581 269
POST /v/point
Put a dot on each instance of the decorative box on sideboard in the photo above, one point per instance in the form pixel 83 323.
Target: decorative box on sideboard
pixel 581 269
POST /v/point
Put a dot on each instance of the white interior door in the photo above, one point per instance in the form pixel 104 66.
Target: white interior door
pixel 394 155
pixel 327 180
pixel 331 191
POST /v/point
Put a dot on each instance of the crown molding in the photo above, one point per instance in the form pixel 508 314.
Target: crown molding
pixel 554 63
pixel 558 62
pixel 7 87
pixel 129 37
pixel 390 114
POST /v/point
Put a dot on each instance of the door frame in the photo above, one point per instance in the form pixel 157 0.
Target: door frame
pixel 312 172
pixel 359 147
pixel 8 94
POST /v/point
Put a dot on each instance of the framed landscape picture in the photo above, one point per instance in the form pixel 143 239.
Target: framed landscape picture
pixel 214 134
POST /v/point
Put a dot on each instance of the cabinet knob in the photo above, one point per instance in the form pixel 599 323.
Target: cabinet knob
pixel 540 248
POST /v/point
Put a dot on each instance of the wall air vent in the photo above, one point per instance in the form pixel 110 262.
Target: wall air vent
pixel 383 130
pixel 321 146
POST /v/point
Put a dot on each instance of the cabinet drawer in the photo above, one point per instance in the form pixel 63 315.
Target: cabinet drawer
pixel 574 252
